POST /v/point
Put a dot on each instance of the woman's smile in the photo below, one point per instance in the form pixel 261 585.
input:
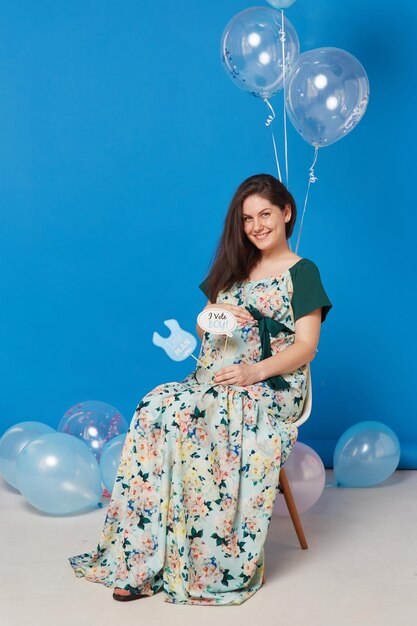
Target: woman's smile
pixel 262 235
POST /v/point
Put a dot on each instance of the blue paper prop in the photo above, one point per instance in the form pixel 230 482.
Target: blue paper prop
pixel 179 345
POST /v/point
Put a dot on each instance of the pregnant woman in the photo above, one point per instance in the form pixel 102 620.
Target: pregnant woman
pixel 199 471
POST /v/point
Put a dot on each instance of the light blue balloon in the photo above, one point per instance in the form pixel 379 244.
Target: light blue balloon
pixel 110 459
pixel 251 50
pixel 366 454
pixel 94 422
pixel 281 4
pixel 12 443
pixel 59 475
pixel 326 95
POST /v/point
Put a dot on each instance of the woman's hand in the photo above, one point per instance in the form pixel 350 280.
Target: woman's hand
pixel 241 314
pixel 240 374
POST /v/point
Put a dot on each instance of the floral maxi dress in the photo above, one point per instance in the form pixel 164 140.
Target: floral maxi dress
pixel 199 471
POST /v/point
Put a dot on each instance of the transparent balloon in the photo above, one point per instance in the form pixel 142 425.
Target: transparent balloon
pixel 326 95
pixel 251 50
pixel 281 4
pixel 94 422
pixel 57 474
pixel 110 459
pixel 366 454
pixel 306 476
pixel 12 443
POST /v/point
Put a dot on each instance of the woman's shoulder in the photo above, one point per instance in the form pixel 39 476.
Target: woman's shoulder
pixel 303 264
pixel 305 271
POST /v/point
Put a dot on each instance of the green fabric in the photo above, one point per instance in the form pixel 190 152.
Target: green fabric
pixel 204 287
pixel 269 327
pixel 308 291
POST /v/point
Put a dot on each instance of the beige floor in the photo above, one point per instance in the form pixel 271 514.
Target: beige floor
pixel 360 568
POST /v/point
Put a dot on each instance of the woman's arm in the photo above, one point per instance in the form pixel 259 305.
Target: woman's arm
pixel 302 351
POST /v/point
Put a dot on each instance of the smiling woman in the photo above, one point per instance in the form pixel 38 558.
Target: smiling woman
pixel 199 472
pixel 263 222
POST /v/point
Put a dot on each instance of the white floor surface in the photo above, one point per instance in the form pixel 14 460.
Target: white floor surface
pixel 360 568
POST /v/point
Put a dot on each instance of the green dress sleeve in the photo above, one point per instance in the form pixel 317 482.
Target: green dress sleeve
pixel 308 291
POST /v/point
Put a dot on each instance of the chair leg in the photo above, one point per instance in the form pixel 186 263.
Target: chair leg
pixel 285 487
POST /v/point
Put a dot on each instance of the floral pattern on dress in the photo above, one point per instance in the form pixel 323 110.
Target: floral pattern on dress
pixel 199 471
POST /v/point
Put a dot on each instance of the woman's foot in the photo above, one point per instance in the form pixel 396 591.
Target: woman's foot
pixel 121 592
pixel 124 595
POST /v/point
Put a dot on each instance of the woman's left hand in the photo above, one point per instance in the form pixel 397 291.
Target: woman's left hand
pixel 240 374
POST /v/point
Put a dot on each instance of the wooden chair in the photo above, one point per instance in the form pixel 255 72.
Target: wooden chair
pixel 283 480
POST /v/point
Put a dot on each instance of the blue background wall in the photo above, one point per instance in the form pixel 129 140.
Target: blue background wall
pixel 122 142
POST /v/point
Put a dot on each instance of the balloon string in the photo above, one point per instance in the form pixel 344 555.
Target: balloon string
pixel 283 39
pixel 268 122
pixel 311 179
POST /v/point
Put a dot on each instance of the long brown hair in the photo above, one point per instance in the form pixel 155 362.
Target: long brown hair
pixel 236 255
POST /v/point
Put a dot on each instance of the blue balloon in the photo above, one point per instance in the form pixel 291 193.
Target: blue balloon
pixel 57 474
pixel 366 454
pixel 326 95
pixel 110 459
pixel 93 422
pixel 281 4
pixel 251 50
pixel 12 443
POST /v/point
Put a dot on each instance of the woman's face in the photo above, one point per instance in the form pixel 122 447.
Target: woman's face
pixel 264 223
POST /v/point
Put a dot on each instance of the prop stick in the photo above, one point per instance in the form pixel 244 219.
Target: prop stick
pixel 198 361
pixel 224 351
pixel 219 322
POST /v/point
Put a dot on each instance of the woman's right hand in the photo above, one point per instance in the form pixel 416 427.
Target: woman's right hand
pixel 241 314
